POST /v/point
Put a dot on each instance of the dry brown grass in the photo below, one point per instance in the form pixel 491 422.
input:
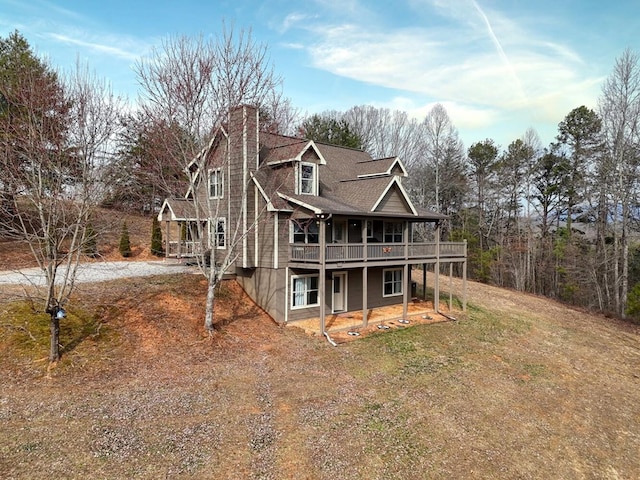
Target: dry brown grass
pixel 520 388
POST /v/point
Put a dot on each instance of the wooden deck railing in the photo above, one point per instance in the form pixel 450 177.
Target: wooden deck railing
pixel 184 249
pixel 346 252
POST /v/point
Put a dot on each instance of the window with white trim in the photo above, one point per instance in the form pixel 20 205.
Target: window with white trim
pixel 304 291
pixel 392 282
pixel 218 232
pixel 216 183
pixel 307 178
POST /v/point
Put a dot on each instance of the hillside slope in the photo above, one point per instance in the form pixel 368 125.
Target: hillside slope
pixel 521 387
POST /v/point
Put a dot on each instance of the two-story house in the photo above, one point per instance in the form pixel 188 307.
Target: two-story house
pixel 316 229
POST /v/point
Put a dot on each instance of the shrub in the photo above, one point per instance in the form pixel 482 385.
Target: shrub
pixel 125 244
pixel 90 244
pixel 156 238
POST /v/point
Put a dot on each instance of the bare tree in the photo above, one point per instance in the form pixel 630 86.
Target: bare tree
pixel 385 132
pixel 195 83
pixel 620 112
pixel 55 140
pixel 440 160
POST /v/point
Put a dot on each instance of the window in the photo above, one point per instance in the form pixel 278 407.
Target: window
pixel 218 232
pixel 305 231
pixel 215 183
pixel 393 232
pixel 304 291
pixel 392 282
pixel 307 179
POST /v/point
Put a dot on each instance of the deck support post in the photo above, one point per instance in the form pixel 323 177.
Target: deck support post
pixel 436 271
pixel 405 292
pixel 167 239
pixel 365 307
pixel 424 282
pixel 450 286
pixel 322 294
pixel 464 278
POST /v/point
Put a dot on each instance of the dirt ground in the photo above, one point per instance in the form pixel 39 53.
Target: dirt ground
pixel 518 387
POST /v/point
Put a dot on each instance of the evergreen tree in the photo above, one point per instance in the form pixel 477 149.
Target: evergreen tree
pixel 156 238
pixel 324 128
pixel 90 245
pixel 125 244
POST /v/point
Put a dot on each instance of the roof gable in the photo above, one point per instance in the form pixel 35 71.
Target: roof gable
pixel 195 166
pixel 382 167
pixel 175 209
pixel 394 199
pixel 305 150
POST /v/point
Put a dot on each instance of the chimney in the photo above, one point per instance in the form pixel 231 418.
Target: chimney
pixel 243 160
pixel 243 137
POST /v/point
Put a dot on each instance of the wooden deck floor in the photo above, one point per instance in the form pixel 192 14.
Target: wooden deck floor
pixel 343 327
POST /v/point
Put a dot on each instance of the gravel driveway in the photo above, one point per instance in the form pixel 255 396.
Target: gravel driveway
pixel 97 272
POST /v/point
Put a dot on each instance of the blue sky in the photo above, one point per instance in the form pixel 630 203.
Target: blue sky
pixel 498 66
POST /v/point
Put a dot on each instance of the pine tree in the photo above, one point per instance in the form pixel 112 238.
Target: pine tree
pixel 90 244
pixel 125 244
pixel 156 238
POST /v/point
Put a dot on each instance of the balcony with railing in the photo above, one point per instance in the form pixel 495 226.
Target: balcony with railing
pixel 184 248
pixel 355 252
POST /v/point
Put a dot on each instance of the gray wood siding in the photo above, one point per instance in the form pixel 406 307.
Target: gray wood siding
pixel 266 287
pixel 375 296
pixel 266 236
pixel 393 202
pixel 283 239
pixel 251 226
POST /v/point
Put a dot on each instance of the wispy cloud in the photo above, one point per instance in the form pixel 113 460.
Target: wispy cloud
pixel 293 20
pixel 479 62
pixel 123 48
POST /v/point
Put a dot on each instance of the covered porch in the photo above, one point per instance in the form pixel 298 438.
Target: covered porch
pixel 183 232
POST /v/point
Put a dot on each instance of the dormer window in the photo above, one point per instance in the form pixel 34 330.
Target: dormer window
pixel 216 183
pixel 307 180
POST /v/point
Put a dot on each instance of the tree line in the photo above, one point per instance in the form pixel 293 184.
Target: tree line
pixel 558 220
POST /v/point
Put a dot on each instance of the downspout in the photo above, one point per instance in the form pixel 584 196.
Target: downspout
pixel 329 339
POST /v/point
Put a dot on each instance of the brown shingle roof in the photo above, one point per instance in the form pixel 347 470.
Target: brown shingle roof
pixel 180 209
pixel 341 190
